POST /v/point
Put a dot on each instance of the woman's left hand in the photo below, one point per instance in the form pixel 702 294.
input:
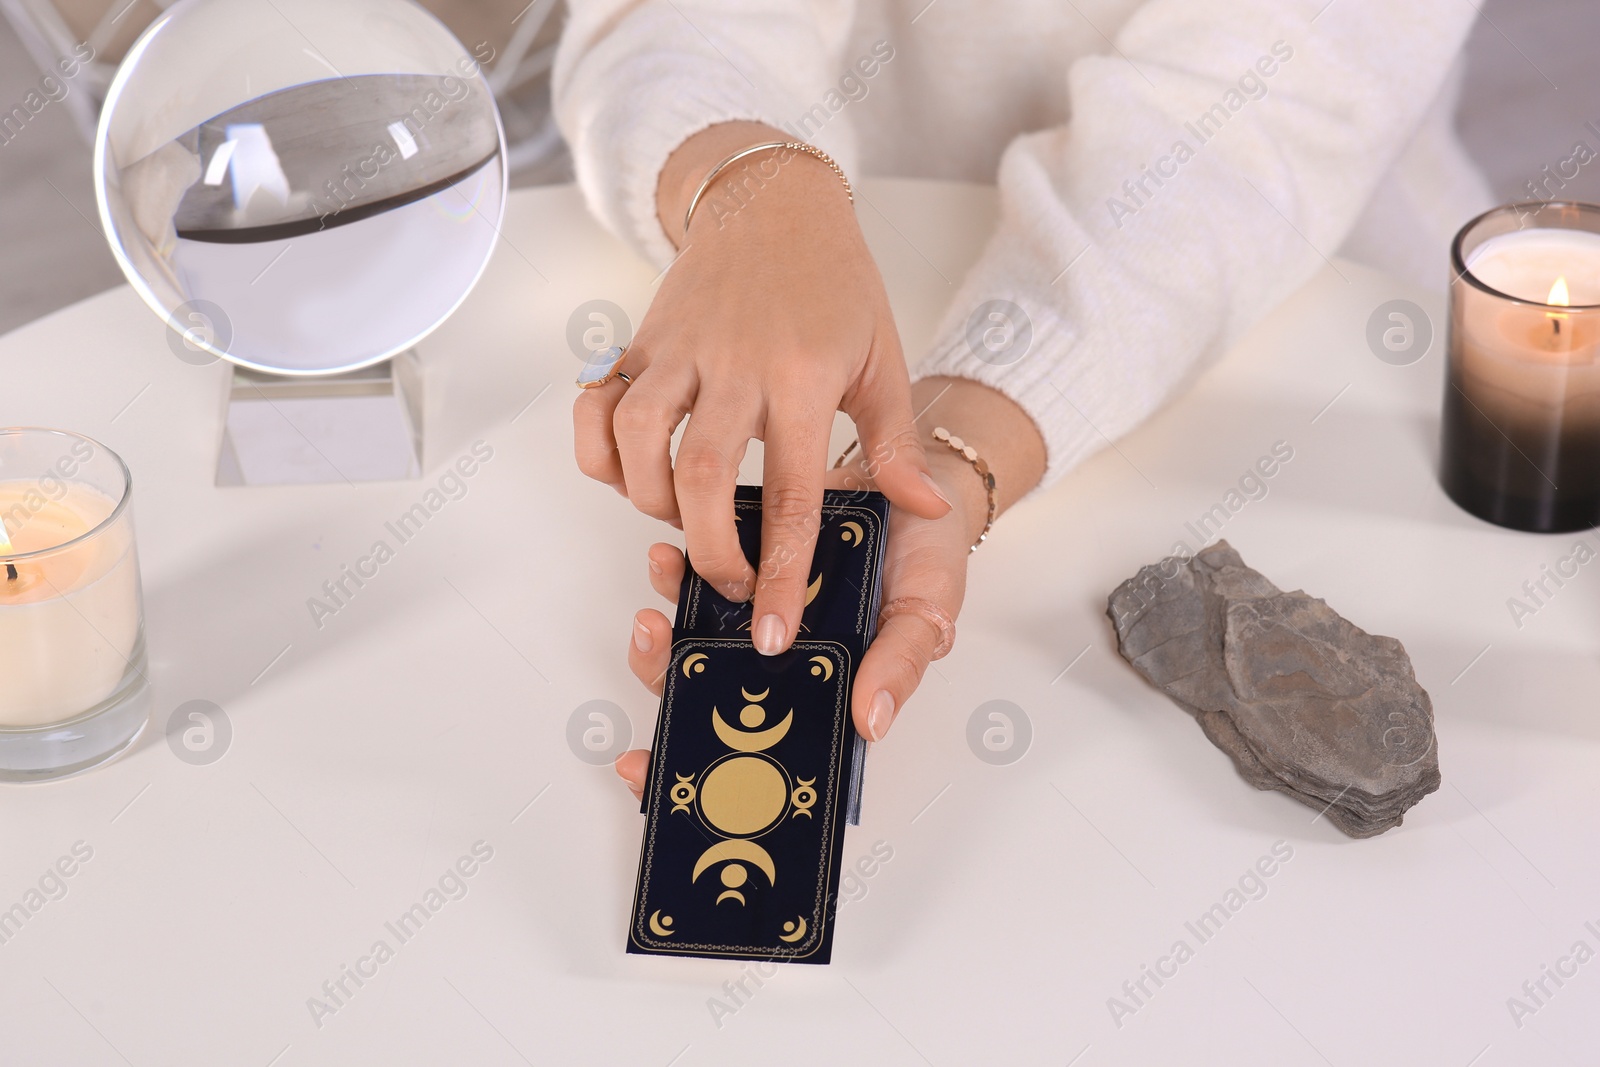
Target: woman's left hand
pixel 925 559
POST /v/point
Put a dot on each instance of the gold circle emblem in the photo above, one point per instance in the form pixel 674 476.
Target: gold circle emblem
pixel 743 795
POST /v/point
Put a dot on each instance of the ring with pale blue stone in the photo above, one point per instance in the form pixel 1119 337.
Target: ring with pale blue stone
pixel 602 366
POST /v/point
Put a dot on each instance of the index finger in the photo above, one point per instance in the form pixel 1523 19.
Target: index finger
pixel 791 512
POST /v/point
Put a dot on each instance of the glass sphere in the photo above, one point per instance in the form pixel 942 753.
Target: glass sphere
pixel 298 186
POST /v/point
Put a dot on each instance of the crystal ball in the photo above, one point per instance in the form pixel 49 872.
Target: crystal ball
pixel 298 186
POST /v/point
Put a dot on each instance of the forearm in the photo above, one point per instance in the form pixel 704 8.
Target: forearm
pixel 1135 245
pixel 996 428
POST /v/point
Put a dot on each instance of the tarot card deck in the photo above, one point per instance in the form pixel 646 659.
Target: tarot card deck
pixel 757 766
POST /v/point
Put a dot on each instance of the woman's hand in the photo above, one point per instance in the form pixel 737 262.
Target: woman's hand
pixel 773 317
pixel 926 558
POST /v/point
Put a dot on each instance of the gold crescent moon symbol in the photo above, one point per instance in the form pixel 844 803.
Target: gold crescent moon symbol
pixel 734 893
pixel 852 528
pixel 736 849
pixel 826 667
pixel 755 698
pixel 660 927
pixel 750 740
pixel 695 661
pixel 813 589
pixel 798 926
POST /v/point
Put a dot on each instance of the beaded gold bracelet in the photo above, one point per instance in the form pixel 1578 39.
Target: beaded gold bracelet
pixel 970 454
pixel 967 453
pixel 793 146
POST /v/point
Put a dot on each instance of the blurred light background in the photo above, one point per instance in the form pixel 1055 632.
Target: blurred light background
pixel 1532 89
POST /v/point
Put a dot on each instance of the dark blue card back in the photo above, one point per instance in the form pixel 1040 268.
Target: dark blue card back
pixel 757 766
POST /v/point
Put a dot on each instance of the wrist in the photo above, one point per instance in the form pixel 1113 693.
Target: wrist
pixel 801 194
pixel 963 486
pixel 996 428
pixel 781 178
pixel 691 161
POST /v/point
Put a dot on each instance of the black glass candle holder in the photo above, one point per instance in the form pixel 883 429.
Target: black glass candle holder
pixel 1521 423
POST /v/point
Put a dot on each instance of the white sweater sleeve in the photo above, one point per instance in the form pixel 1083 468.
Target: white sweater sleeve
pixel 1130 288
pixel 634 79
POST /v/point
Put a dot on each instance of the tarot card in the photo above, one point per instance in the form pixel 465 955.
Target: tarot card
pixel 744 820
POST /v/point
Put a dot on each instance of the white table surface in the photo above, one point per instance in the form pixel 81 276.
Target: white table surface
pixel 369 755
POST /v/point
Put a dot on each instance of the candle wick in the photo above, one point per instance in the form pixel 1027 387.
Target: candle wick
pixel 1557 320
pixel 11 572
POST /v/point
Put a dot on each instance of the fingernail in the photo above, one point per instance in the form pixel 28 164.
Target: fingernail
pixel 641 637
pixel 769 635
pixel 655 568
pixel 880 715
pixel 635 786
pixel 927 480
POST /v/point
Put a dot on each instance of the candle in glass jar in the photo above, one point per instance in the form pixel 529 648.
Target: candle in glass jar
pixel 1522 396
pixel 69 602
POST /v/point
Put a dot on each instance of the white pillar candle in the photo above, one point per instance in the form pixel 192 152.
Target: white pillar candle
pixel 1534 364
pixel 69 601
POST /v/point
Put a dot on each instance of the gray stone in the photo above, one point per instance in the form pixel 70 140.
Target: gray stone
pixel 1301 699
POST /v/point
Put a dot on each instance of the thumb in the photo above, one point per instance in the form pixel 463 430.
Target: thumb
pixel 633 767
pixel 891 447
pixel 893 667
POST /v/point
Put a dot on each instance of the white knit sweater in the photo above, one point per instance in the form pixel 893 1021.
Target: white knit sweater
pixel 1169 170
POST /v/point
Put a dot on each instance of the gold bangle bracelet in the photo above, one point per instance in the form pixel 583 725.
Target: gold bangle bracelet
pixel 793 146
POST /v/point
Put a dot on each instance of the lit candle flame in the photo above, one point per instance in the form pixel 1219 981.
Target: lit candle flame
pixel 1560 298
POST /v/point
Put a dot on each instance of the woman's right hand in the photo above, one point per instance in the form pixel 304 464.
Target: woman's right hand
pixel 773 317
pixel 925 560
